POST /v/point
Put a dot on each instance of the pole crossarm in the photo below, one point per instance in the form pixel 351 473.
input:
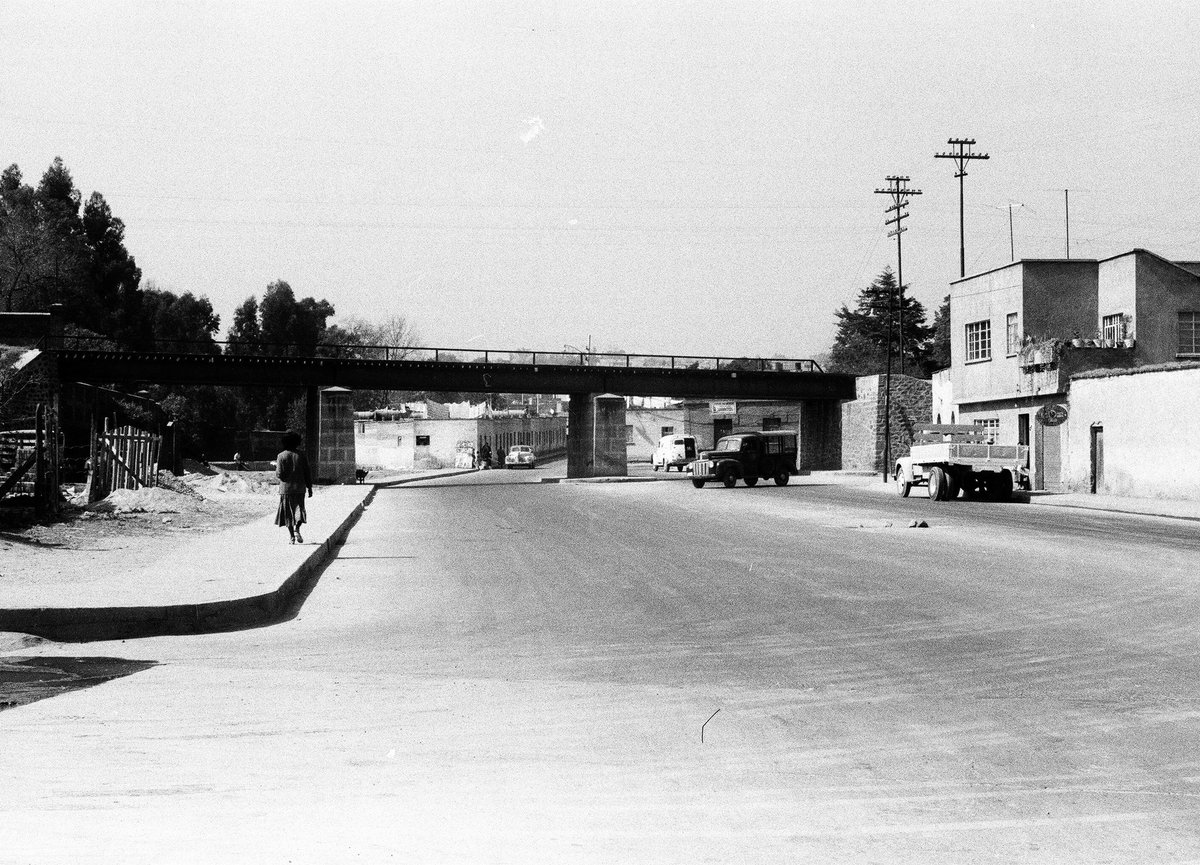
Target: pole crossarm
pixel 962 155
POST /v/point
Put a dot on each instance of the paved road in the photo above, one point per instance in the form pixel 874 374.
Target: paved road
pixel 500 670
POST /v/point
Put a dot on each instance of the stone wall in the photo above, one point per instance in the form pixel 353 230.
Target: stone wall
pixel 863 420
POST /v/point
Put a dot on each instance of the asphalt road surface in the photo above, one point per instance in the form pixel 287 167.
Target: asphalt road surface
pixel 498 670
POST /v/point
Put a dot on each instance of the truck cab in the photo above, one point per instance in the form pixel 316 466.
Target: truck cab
pixel 750 457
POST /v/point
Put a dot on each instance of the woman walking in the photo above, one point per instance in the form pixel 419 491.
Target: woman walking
pixel 291 467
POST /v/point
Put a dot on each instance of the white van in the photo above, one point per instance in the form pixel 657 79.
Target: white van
pixel 674 450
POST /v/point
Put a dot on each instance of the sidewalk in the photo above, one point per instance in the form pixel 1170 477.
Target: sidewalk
pixel 241 577
pixel 250 576
pixel 1174 508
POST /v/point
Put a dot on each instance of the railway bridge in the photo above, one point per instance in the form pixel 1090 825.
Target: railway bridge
pixel 595 382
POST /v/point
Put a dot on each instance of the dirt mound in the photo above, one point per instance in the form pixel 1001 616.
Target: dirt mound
pixel 225 484
pixel 148 500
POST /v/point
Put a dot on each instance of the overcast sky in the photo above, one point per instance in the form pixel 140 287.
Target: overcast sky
pixel 663 177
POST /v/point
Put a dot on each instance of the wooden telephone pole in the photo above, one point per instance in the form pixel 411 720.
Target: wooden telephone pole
pixel 961 156
pixel 899 193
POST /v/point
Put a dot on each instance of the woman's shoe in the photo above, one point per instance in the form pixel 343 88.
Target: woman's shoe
pixel 299 539
pixel 293 539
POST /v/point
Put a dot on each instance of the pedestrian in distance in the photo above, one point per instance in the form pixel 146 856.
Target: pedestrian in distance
pixel 291 467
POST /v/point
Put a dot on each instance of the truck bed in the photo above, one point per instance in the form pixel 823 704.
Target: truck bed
pixel 973 454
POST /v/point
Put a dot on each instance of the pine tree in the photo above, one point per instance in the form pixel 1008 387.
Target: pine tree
pixel 861 344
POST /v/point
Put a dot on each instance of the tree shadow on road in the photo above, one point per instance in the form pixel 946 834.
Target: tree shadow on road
pixel 25 680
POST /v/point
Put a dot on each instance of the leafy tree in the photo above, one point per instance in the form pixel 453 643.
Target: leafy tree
pixel 291 327
pixel 939 345
pixel 64 250
pixel 282 326
pixel 50 253
pixel 185 323
pixel 861 344
pixel 114 277
pixel 245 336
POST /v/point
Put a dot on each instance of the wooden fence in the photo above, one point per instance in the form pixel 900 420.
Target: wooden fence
pixel 30 453
pixel 122 458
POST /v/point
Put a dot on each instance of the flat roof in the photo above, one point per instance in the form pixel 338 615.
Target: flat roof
pixel 1026 261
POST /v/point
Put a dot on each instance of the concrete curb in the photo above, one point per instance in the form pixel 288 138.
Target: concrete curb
pixel 89 624
pixel 426 477
pixel 604 480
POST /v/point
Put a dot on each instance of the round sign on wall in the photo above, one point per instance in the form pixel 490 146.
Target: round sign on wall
pixel 1052 414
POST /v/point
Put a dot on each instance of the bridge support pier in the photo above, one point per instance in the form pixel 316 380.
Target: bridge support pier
pixel 312 429
pixel 596 436
pixel 820 435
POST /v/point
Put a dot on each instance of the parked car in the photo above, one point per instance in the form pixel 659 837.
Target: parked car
pixel 674 450
pixel 520 455
pixel 750 456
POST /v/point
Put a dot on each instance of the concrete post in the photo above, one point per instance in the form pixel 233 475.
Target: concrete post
pixel 596 444
pixel 336 439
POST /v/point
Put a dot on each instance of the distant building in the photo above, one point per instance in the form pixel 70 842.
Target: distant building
pixel 417 443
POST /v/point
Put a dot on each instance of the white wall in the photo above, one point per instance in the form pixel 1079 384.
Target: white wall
pixel 1151 423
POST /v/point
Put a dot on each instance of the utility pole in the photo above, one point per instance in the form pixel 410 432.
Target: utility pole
pixel 961 156
pixel 1067 206
pixel 1012 249
pixel 899 192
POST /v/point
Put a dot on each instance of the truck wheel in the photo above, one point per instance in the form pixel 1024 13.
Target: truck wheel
pixel 781 479
pixel 751 480
pixel 952 486
pixel 1002 487
pixel 937 484
pixel 729 479
pixel 903 487
pixel 697 484
pixel 970 485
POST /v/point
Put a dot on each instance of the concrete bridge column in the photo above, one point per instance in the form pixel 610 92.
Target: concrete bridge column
pixel 336 440
pixel 312 429
pixel 596 436
pixel 820 435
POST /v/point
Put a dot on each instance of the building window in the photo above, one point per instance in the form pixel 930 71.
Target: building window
pixel 1113 327
pixel 668 430
pixel 422 441
pixel 991 427
pixel 1189 333
pixel 770 423
pixel 979 341
pixel 1012 334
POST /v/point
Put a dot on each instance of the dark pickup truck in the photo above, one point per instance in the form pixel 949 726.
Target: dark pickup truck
pixel 750 456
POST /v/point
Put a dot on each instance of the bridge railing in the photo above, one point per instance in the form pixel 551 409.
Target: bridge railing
pixel 465 355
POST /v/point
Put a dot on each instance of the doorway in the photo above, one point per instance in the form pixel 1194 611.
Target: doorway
pixel 1097 459
pixel 721 427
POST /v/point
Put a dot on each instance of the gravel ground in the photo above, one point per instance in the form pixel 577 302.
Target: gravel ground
pixel 130 526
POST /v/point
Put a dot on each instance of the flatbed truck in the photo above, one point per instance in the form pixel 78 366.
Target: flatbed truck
pixel 950 458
